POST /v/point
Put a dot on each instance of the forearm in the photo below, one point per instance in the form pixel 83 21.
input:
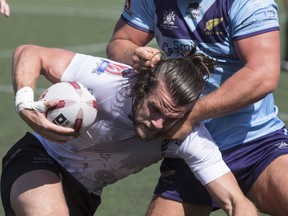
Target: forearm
pixel 124 41
pixel 26 67
pixel 29 61
pixel 243 207
pixel 244 88
pixel 227 194
pixel 121 50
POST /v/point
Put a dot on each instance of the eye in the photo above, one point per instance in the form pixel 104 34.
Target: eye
pixel 153 108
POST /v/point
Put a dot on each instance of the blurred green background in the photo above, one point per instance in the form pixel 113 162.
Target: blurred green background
pixel 84 26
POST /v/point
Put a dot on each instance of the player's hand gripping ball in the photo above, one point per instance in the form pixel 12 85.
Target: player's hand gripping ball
pixel 77 107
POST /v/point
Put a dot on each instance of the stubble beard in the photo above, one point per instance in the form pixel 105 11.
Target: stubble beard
pixel 140 129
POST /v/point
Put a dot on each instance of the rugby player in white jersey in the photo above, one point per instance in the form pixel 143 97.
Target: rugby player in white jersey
pixel 51 172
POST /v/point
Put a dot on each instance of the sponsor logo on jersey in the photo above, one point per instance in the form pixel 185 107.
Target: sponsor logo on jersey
pixel 167 173
pixel 192 10
pixel 167 142
pixel 168 51
pixel 282 145
pixel 101 67
pixel 117 70
pixel 169 20
pixel 127 7
pixel 177 48
pixel 112 68
pixel 164 146
pixel 211 24
pixel 42 160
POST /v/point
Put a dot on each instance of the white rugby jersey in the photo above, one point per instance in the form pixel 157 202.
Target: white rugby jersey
pixel 111 150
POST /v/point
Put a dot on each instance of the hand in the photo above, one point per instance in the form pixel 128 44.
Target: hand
pixel 145 58
pixel 38 122
pixel 4 8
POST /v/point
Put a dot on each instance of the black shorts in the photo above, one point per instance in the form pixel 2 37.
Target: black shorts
pixel 27 155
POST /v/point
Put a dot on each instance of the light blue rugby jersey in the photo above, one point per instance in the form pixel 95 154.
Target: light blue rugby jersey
pixel 212 26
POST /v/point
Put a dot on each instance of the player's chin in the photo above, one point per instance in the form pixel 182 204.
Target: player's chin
pixel 144 133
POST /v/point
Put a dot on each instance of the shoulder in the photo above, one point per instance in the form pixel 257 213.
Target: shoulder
pixel 249 18
pixel 140 14
pixel 198 143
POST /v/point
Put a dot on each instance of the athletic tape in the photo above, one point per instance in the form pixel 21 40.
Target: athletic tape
pixel 24 99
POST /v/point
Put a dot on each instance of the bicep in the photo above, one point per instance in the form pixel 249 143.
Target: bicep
pixel 123 31
pixel 54 63
pixel 29 61
pixel 124 41
pixel 261 54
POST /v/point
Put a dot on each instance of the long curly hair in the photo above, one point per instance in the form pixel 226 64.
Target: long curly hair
pixel 184 78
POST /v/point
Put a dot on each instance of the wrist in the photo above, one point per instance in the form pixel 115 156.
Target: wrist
pixel 23 97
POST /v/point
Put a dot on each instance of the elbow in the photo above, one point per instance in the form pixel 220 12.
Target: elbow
pixel 265 80
pixel 110 49
pixel 20 49
pixel 263 76
pixel 269 85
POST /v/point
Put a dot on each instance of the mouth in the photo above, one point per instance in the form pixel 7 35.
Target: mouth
pixel 149 128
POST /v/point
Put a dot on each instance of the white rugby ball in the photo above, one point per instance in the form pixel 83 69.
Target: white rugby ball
pixel 77 107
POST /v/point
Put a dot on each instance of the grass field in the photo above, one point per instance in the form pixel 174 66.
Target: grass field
pixel 84 26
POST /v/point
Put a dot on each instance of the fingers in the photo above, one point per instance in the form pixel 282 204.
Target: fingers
pixel 57 137
pixel 39 106
pixel 145 58
pixel 55 133
pixel 51 103
pixel 50 131
pixel 4 8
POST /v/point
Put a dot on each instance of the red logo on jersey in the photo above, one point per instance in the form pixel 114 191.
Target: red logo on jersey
pixel 115 69
pixel 118 70
pixel 112 68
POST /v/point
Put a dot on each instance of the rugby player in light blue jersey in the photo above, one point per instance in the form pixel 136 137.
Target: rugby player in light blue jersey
pixel 284 62
pixel 237 105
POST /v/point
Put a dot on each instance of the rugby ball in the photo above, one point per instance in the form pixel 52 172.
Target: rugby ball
pixel 77 107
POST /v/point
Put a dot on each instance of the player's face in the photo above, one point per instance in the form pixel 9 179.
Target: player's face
pixel 157 114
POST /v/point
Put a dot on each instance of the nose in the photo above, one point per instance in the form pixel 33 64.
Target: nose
pixel 158 123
